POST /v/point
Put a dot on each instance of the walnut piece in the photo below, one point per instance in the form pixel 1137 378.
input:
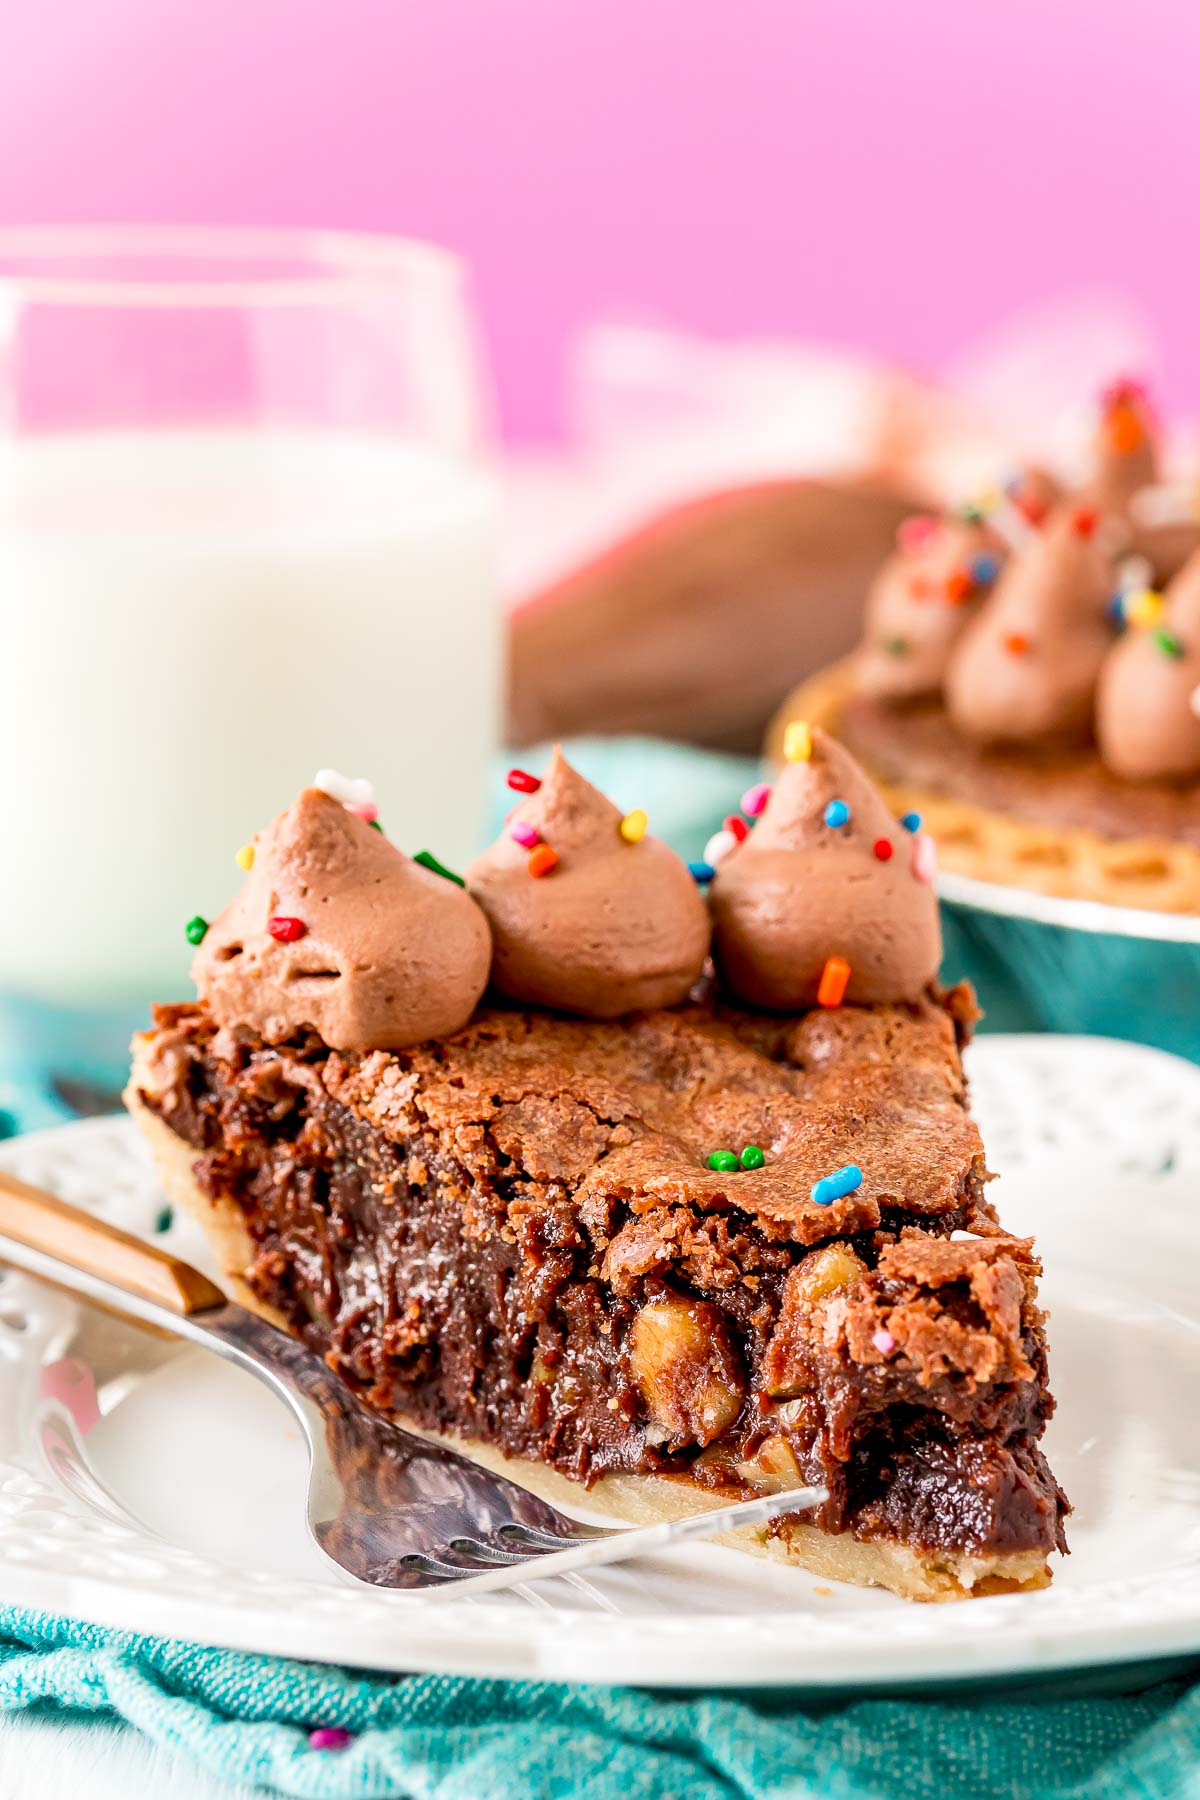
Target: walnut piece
pixel 686 1368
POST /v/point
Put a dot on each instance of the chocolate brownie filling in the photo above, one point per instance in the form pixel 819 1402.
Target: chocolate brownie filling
pixel 513 1235
pixel 1062 786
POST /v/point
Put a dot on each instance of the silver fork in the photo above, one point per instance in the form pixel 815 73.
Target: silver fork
pixel 388 1507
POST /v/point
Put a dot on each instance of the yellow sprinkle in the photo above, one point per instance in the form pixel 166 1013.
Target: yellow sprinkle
pixel 797 741
pixel 245 857
pixel 1144 608
pixel 633 826
pixel 990 499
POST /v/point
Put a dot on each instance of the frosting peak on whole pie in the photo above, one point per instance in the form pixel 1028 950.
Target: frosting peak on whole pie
pixel 728 1244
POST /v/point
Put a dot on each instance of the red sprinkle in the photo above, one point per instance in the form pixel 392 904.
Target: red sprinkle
pixel 1016 643
pixel 1084 521
pixel 958 586
pixel 286 931
pixel 542 860
pixel 883 849
pixel 522 782
pixel 738 827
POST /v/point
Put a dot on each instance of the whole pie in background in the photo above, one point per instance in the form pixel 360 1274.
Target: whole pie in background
pixel 1029 678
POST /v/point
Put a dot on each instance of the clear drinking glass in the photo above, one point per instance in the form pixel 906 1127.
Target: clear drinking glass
pixel 246 531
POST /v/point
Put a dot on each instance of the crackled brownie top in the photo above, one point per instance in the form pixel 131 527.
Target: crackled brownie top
pixel 631 1112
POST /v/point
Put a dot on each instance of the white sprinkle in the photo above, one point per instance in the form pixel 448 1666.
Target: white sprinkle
pixel 341 787
pixel 718 847
pixel 924 863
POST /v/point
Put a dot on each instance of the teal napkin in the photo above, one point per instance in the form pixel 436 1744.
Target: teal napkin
pixel 247 1720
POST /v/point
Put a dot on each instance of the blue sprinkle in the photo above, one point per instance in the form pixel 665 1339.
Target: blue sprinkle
pixel 984 568
pixel 911 821
pixel 837 813
pixel 701 872
pixel 1116 609
pixel 837 1186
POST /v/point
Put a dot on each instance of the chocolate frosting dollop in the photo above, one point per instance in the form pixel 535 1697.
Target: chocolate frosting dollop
pixel 799 891
pixel 388 953
pixel 919 603
pixel 1146 718
pixel 1026 666
pixel 614 926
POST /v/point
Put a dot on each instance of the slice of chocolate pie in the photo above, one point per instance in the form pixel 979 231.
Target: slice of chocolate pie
pixel 674 1235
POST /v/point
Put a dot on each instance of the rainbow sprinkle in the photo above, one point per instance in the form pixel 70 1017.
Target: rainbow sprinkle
pixel 245 857
pixel 883 849
pixel 843 1181
pixel 522 782
pixel 831 989
pixel 543 860
pixel 984 568
pixel 195 929
pixel 915 532
pixel 752 1157
pixel 724 1161
pixel 525 835
pixel 286 930
pixel 924 864
pixel 1168 643
pixel 633 826
pixel 884 1342
pixel 837 814
pixel 428 860
pixel 1143 608
pixel 755 799
pixel 797 741
pixel 701 872
pixel 330 1737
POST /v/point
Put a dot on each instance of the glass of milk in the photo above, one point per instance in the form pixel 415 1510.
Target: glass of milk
pixel 246 531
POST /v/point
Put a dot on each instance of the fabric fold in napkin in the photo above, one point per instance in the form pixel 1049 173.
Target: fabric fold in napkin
pixel 247 1719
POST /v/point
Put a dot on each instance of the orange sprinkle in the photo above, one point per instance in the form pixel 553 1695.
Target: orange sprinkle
pixel 834 977
pixel 958 586
pixel 1016 643
pixel 920 587
pixel 1123 429
pixel 542 860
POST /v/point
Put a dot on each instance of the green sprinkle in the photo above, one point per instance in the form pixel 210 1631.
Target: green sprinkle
pixel 894 646
pixel 970 514
pixel 375 825
pixel 429 861
pixel 1168 643
pixel 723 1160
pixel 195 929
pixel 163 1220
pixel 752 1157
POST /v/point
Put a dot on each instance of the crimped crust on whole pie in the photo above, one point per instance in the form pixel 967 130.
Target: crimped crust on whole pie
pixel 1014 816
pixel 513 1236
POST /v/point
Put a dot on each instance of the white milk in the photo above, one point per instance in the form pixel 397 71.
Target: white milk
pixel 191 626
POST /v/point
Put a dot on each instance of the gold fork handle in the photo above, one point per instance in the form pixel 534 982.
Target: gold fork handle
pixel 50 1226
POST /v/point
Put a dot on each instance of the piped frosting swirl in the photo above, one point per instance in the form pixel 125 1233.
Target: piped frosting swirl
pixel 826 873
pixel 613 925
pixel 337 930
pixel 1027 664
pixel 920 601
pixel 1148 701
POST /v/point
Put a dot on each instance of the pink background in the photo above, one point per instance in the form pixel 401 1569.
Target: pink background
pixel 900 176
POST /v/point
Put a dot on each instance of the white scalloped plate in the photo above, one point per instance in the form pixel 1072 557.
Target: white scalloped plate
pixel 149 1487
